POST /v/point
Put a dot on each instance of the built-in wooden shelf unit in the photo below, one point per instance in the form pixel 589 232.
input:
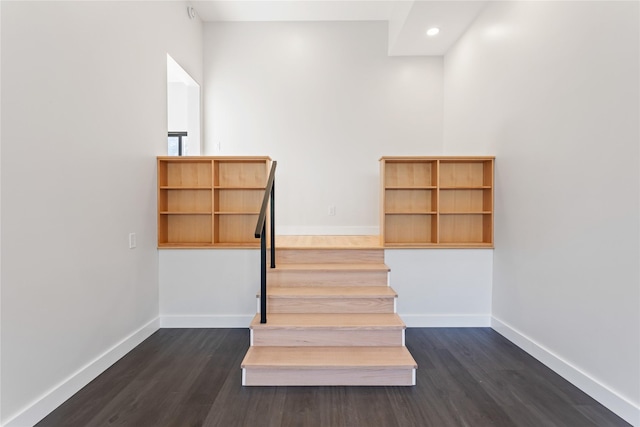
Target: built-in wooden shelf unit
pixel 210 201
pixel 436 201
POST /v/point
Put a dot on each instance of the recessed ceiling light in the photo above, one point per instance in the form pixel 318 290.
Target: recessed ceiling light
pixel 433 31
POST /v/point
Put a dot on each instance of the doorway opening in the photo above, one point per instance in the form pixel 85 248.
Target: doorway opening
pixel 183 111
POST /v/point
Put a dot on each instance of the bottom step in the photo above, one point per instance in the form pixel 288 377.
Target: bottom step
pixel 328 366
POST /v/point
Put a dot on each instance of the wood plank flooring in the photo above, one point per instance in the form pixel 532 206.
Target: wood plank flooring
pixel 467 377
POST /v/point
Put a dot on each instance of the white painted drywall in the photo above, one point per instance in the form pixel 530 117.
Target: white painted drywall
pixel 194 124
pixel 551 88
pixel 183 110
pixel 0 216
pixel 84 113
pixel 442 287
pixel 177 106
pixel 217 288
pixel 212 288
pixel 326 102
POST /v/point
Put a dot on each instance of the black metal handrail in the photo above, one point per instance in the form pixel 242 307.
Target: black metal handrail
pixel 261 232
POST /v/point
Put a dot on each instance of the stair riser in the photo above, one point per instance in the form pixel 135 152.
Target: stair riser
pixel 329 256
pixel 328 377
pixel 327 337
pixel 330 305
pixel 327 278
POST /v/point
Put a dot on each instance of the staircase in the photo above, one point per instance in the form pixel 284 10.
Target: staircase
pixel 330 319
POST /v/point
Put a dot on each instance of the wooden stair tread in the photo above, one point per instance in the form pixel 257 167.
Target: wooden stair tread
pixel 329 321
pixel 328 357
pixel 328 242
pixel 329 256
pixel 331 292
pixel 331 267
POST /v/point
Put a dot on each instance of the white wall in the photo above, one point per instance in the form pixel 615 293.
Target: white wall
pixel 183 111
pixel 326 102
pixel 208 288
pixel 442 287
pixel 83 114
pixel 177 106
pixel 0 217
pixel 551 88
pixel 194 124
pixel 217 288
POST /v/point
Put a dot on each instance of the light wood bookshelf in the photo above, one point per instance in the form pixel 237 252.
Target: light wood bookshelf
pixel 210 201
pixel 436 201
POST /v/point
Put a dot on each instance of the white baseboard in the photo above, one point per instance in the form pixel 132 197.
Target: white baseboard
pixel 295 230
pixel 607 397
pixel 206 321
pixel 67 388
pixel 446 320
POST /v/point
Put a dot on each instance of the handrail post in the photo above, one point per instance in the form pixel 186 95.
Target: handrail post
pixel 273 226
pixel 263 276
pixel 261 232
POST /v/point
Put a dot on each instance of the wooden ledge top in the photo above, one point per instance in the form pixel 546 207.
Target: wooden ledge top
pixel 205 158
pixel 443 158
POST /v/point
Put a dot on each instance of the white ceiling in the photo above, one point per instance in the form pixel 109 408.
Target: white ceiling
pixel 408 19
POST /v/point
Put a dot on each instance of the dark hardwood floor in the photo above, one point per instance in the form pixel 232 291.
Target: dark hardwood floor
pixel 466 377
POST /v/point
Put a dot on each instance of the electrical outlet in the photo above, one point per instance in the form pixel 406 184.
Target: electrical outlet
pixel 332 210
pixel 132 240
pixel 217 146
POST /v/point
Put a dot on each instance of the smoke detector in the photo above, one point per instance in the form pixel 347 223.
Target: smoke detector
pixel 191 12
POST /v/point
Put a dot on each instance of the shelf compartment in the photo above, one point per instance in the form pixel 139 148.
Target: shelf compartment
pixel 184 229
pixel 410 229
pixel 404 174
pixel 183 201
pixel 465 201
pixel 466 228
pixel 410 201
pixel 466 173
pixel 189 174
pixel 238 200
pixel 245 173
pixel 236 228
